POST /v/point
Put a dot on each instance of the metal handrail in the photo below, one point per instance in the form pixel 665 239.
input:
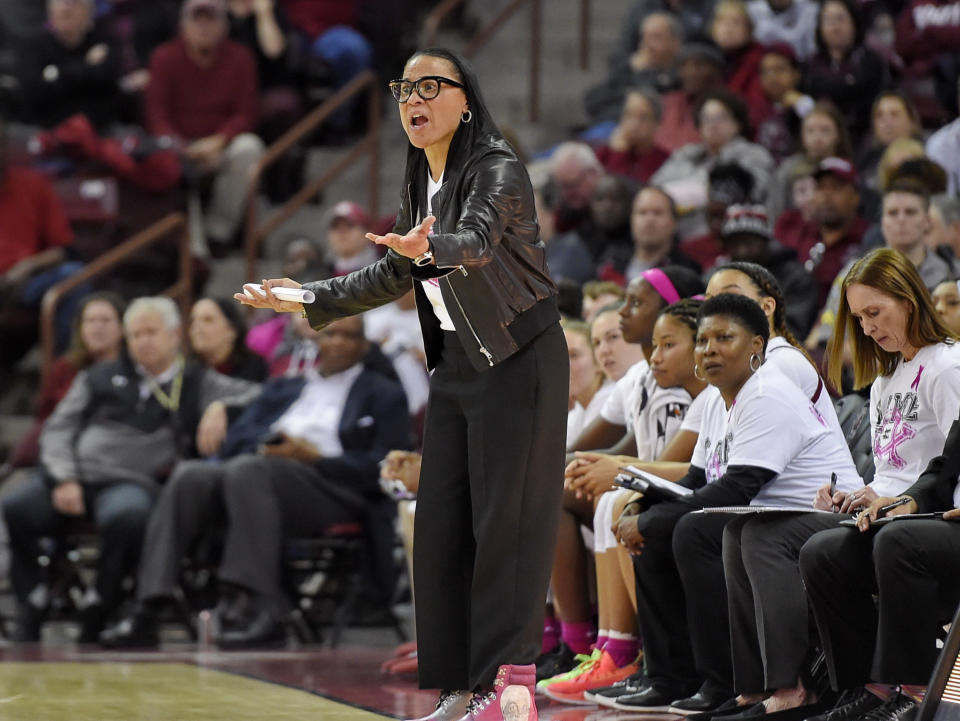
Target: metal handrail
pixel 109 260
pixel 431 27
pixel 255 230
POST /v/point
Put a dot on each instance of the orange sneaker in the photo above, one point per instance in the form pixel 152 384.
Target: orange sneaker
pixel 602 673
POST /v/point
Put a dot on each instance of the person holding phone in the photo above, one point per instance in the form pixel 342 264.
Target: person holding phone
pixel 467 241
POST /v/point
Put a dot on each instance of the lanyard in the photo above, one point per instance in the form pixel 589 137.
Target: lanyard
pixel 170 402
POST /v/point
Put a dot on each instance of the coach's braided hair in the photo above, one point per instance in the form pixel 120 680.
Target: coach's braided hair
pixel 768 286
pixel 685 311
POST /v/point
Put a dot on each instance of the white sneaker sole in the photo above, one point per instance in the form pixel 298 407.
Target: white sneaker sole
pixel 515 703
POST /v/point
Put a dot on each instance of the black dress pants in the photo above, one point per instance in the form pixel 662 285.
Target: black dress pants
pixel 697 545
pixel 268 499
pixel 662 618
pixel 913 567
pixel 187 507
pixel 769 617
pixel 487 508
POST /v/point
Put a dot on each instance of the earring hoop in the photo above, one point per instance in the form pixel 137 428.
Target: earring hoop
pixel 759 361
pixel 696 373
pixel 466 116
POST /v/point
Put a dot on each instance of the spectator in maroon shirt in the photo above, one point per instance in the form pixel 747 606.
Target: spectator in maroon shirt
pixel 826 243
pixel 778 115
pixel 35 245
pixel 700 71
pixel 732 31
pixel 631 151
pixel 203 95
pixel 844 70
pixel 928 35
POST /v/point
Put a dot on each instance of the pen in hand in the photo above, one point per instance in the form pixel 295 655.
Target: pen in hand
pixel 889 507
pixel 833 489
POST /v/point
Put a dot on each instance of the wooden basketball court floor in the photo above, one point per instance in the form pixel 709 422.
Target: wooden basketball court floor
pixel 68 682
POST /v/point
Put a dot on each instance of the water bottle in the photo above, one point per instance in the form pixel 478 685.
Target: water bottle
pixel 207 628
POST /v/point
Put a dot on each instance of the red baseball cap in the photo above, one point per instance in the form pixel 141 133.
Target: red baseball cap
pixel 838 167
pixel 214 7
pixel 347 210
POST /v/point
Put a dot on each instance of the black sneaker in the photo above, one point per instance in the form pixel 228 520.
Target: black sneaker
pixel 652 698
pixel 139 630
pixel 896 708
pixel 607 695
pixel 730 707
pixel 853 703
pixel 709 698
pixel 559 660
pixel 29 623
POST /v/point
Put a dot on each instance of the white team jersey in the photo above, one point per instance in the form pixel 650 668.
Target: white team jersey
pixel 772 424
pixel 578 417
pixel 652 413
pixel 694 418
pixel 912 410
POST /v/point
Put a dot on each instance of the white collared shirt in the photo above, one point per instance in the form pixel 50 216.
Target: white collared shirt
pixel 146 389
pixel 315 415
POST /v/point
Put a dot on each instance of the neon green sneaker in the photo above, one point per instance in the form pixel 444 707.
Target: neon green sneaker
pixel 586 663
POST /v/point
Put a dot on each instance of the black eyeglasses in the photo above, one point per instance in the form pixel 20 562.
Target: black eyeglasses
pixel 428 87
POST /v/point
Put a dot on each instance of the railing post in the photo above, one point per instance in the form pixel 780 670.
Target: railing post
pixel 374 121
pixel 257 230
pixel 536 28
pixel 584 34
pixel 186 272
pixel 106 262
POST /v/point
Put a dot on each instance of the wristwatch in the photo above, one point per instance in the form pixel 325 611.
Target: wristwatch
pixel 424 258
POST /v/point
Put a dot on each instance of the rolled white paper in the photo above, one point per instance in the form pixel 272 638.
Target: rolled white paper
pixel 297 295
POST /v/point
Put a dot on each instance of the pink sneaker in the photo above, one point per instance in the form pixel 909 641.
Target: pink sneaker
pixel 511 698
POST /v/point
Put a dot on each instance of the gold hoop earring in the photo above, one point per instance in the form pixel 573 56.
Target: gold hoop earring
pixel 696 373
pixel 759 361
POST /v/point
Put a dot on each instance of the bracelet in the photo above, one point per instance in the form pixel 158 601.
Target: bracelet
pixel 423 259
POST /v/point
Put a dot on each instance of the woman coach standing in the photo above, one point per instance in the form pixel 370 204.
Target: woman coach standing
pixel 467 239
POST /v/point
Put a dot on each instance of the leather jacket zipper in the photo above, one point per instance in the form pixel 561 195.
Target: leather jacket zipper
pixel 483 350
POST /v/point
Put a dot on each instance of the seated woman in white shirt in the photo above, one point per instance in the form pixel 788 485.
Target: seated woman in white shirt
pixel 591 382
pixel 911 359
pixel 671 368
pixel 784 352
pixel 761 442
pixel 783 349
pixel 620 427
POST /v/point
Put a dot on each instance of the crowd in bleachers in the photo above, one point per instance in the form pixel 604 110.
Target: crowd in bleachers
pixel 804 155
pixel 793 152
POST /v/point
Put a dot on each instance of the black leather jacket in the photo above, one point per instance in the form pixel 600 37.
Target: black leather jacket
pixel 486 249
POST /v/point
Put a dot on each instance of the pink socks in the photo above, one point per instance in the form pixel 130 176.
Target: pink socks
pixel 623 650
pixel 551 634
pixel 578 636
